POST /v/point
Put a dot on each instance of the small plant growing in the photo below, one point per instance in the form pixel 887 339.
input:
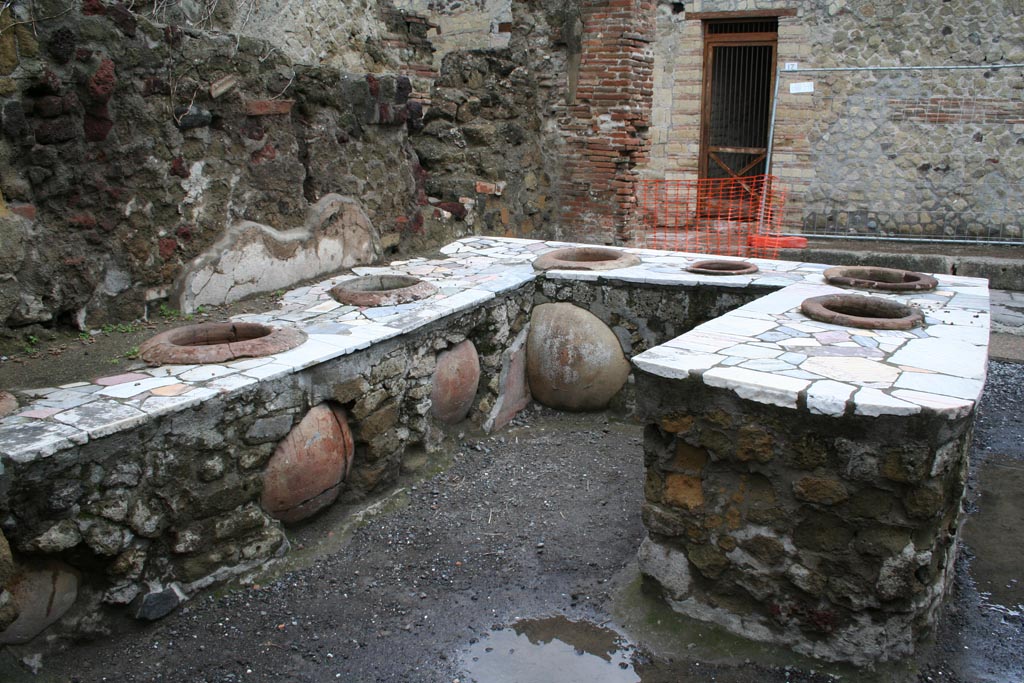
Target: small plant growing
pixel 122 328
pixel 168 313
pixel 31 344
pixel 132 353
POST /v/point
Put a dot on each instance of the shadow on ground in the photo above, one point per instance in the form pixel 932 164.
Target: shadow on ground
pixel 540 523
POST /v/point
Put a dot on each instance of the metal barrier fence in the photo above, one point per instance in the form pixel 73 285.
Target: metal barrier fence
pixel 723 216
pixel 905 153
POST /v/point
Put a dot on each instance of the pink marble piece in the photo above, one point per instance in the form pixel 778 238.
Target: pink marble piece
pixel 832 337
pixel 120 379
pixel 40 413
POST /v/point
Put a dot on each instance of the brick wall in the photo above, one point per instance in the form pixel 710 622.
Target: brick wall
pixel 956 110
pixel 606 128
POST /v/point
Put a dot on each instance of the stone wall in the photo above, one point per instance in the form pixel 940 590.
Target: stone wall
pixel 146 517
pixel 482 148
pixel 138 148
pixel 835 537
pixel 132 149
pixel 868 153
pixel 642 317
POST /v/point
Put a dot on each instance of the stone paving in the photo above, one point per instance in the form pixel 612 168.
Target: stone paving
pixel 765 351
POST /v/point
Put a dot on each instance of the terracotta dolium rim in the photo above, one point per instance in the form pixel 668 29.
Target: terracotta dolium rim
pixel 217 343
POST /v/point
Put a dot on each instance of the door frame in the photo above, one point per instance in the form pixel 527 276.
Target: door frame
pixel 712 41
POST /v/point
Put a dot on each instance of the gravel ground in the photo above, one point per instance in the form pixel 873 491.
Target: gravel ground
pixel 541 520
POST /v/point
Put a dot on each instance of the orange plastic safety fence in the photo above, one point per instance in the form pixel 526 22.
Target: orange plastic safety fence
pixel 724 216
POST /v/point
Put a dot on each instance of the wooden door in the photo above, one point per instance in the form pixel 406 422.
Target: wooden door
pixel 739 78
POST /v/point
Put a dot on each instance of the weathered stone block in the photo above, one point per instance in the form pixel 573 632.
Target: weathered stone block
pixel 147 518
pixel 754 444
pixel 379 422
pixel 822 533
pixel 103 537
pixel 268 429
pixel 709 560
pixel 677 423
pixel 6 562
pixel 157 604
pixel 769 550
pixel 666 564
pixel 688 459
pixel 684 491
pixel 61 536
pixel 820 490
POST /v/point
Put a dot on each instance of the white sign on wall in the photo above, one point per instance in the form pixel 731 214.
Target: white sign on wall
pixel 796 88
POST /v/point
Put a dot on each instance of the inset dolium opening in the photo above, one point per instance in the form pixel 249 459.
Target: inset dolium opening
pixel 381 290
pixel 217 343
pixel 884 279
pixel 722 267
pixel 585 258
pixel 865 312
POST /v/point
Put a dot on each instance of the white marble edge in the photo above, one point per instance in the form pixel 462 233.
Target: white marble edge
pixel 311 307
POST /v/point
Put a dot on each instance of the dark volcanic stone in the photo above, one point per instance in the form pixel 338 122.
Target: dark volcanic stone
pixel 191 117
pixel 158 605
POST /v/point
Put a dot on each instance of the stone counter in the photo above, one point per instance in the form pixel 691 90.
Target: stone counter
pixel 142 488
pixel 804 480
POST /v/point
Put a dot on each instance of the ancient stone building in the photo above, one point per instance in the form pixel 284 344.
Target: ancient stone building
pixel 182 154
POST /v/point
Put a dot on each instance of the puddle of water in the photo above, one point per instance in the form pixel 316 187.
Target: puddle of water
pixel 553 649
pixel 993 533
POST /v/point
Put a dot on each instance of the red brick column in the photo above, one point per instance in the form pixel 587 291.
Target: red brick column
pixel 606 127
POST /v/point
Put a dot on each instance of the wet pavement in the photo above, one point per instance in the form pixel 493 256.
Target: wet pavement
pixel 552 649
pixel 526 541
pixel 994 535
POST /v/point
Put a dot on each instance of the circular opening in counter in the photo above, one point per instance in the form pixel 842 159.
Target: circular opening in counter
pixel 217 343
pixel 381 290
pixel 722 267
pixel 585 258
pixel 865 312
pixel 882 279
